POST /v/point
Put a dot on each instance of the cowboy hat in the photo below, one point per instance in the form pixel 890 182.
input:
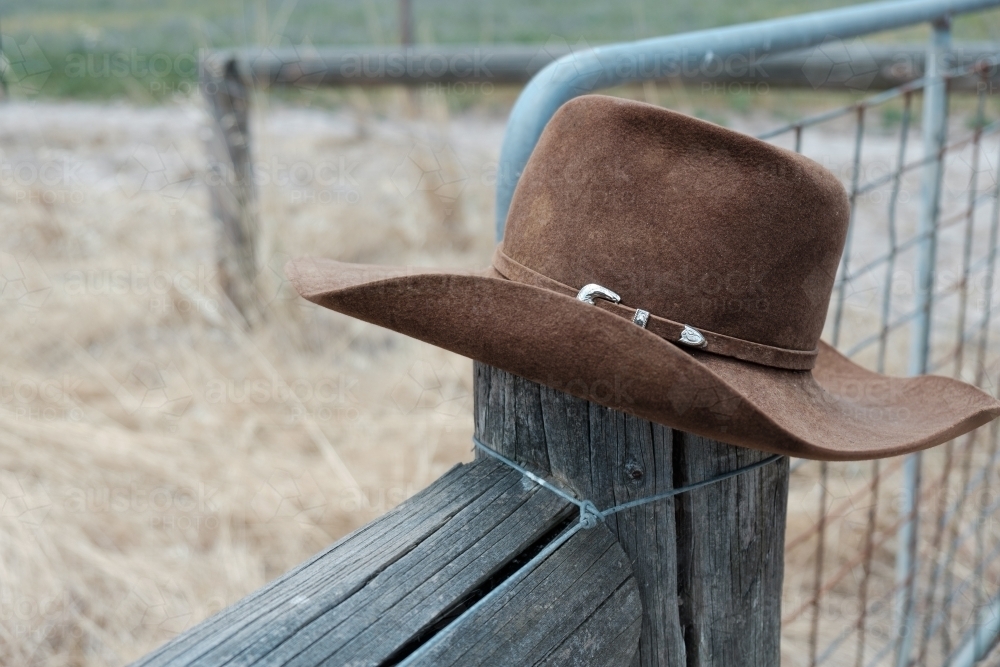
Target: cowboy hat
pixel 673 269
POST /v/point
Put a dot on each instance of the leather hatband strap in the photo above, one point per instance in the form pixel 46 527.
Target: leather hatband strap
pixel 716 343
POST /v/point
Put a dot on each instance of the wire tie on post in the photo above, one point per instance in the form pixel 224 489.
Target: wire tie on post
pixel 590 516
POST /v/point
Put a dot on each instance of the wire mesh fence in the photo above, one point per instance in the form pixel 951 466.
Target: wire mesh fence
pixel 892 562
pixel 896 562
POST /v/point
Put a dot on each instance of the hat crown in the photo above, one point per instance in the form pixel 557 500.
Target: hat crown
pixel 688 220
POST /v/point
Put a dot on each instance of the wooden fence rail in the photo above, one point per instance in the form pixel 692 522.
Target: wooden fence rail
pixel 854 66
pixel 228 77
pixel 694 580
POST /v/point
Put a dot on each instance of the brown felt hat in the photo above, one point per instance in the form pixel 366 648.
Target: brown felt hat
pixel 674 269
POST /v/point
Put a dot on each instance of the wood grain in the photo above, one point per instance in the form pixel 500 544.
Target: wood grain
pixel 709 564
pixel 693 580
pixel 381 589
pixel 732 562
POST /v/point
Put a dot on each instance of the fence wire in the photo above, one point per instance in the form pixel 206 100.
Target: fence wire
pixel 846 599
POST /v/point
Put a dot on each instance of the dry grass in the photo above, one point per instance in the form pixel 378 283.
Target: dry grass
pixel 157 462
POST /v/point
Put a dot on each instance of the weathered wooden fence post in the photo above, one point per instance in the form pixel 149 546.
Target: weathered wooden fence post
pixel 232 190
pixel 709 563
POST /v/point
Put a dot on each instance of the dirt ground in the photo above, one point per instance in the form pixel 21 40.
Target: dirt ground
pixel 157 461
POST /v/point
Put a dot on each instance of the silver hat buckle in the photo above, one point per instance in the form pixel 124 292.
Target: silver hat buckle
pixel 689 335
pixel 693 337
pixel 592 291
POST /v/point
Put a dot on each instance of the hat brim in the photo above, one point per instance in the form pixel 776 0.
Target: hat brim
pixel 837 412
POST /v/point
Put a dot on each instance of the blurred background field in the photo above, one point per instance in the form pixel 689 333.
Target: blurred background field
pixel 159 460
pixel 116 48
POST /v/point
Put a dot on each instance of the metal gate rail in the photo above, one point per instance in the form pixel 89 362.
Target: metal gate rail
pixel 939 602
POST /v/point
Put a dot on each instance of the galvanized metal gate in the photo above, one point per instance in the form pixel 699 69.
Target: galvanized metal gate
pixel 896 562
pixel 914 295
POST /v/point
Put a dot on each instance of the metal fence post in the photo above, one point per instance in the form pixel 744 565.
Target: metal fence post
pixel 934 132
